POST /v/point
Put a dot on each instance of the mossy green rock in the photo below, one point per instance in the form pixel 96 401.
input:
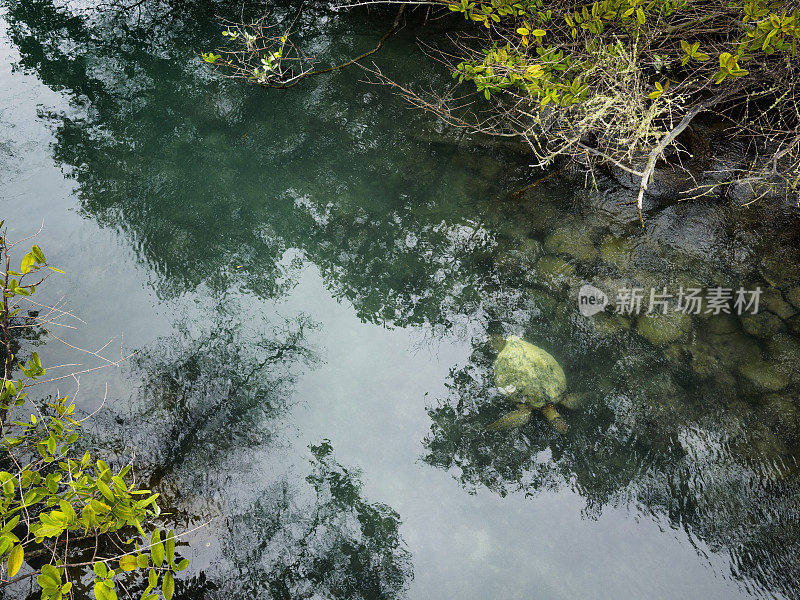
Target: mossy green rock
pixel 617 251
pixel 555 271
pixel 722 324
pixel 762 325
pixel 610 324
pixel 662 329
pixel 784 348
pixel 528 373
pixel 764 375
pixel 773 301
pixel 793 296
pixel 572 242
pixel 781 414
pixel 794 324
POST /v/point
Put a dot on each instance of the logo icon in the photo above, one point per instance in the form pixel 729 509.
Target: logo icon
pixel 591 300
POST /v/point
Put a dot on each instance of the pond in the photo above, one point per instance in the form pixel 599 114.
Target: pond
pixel 313 283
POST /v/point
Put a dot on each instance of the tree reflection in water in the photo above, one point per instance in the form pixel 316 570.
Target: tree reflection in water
pixel 209 412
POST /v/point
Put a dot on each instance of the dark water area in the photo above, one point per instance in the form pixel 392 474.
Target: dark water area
pixel 314 281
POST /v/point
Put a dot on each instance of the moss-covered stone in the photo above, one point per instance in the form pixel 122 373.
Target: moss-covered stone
pixel 784 348
pixel 575 242
pixel 794 324
pixel 720 346
pixel 545 302
pixel 722 324
pixel 781 414
pixel 662 329
pixel 555 271
pixel 610 324
pixel 764 375
pixel 617 251
pixel 793 296
pixel 762 325
pixel 773 301
pixel 677 354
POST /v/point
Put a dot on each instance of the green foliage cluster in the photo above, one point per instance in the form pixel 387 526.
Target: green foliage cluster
pixel 543 51
pixel 56 503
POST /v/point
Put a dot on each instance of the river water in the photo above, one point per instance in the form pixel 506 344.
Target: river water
pixel 314 281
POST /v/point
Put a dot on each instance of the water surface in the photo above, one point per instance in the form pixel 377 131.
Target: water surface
pixel 313 280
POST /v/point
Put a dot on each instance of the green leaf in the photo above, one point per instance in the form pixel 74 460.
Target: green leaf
pixel 101 592
pixel 128 563
pixel 52 573
pixel 67 509
pixel 168 586
pixel 27 263
pixel 100 569
pixel 11 524
pixel 170 546
pixel 104 489
pixel 15 560
pixel 156 548
pixel 182 565
pixel 47 583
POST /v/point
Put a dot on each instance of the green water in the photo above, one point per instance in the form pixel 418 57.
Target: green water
pixel 326 263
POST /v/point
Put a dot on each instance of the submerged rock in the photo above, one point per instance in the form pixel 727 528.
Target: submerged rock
pixel 781 415
pixel 721 346
pixel 575 242
pixel 764 375
pixel 610 324
pixel 722 325
pixel 794 324
pixel 773 301
pixel 784 348
pixel 662 329
pixel 762 325
pixel 555 271
pixel 793 296
pixel 617 251
pixel 544 301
